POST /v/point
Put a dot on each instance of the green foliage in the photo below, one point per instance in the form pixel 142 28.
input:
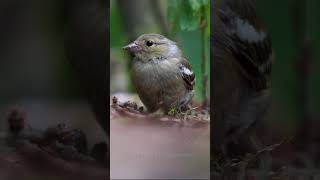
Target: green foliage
pixel 117 36
pixel 279 22
pixel 190 43
pixel 186 14
pixel 190 17
pixel 173 111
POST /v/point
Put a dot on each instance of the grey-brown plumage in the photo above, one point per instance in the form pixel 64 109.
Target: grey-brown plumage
pixel 242 59
pixel 161 75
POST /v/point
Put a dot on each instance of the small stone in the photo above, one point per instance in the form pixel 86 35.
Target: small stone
pixel 126 104
pixel 114 100
pixel 16 120
pixel 141 109
pixel 135 106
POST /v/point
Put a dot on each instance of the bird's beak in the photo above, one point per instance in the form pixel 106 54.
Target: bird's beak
pixel 132 47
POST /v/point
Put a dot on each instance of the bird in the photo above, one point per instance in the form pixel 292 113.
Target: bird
pixel 160 73
pixel 86 32
pixel 242 63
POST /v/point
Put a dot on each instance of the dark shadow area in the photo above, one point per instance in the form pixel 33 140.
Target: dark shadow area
pixel 256 135
pixel 54 89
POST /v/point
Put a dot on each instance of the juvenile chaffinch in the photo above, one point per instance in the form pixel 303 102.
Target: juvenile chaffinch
pixel 161 75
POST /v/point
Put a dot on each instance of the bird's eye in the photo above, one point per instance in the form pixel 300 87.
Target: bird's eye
pixel 149 43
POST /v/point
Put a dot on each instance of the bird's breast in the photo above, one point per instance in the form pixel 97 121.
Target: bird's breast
pixel 155 78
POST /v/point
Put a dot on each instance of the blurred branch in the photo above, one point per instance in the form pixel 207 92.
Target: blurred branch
pixel 203 57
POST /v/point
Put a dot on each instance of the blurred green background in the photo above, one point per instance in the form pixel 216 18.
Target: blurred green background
pixel 130 19
pixel 296 94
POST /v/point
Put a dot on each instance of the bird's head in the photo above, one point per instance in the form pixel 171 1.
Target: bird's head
pixel 153 46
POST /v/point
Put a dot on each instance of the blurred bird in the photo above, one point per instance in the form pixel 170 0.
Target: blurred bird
pixel 86 43
pixel 161 74
pixel 242 60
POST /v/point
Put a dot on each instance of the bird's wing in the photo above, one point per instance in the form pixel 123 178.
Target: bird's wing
pixel 187 74
pixel 247 40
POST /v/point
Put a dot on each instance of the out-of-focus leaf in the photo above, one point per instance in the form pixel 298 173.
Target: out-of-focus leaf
pixel 207 16
pixel 189 19
pixel 186 14
pixel 207 45
pixel 196 4
pixel 173 15
pixel 204 2
pixel 117 35
pixel 173 10
pixel 194 16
